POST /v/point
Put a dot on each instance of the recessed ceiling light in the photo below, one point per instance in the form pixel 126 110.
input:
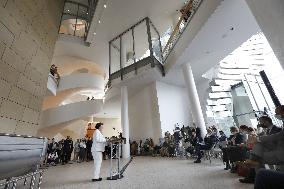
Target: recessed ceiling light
pixel 68 10
pixel 99 21
pixel 105 6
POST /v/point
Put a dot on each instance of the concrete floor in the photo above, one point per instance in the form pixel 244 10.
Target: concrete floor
pixel 146 172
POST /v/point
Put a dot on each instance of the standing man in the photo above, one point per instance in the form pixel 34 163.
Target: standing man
pixel 88 148
pixel 98 148
pixel 67 149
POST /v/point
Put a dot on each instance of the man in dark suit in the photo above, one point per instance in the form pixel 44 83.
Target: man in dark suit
pixel 67 149
pixel 266 123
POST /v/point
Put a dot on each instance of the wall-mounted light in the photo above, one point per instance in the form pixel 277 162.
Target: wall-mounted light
pixel 95 33
pixel 105 6
pixel 99 21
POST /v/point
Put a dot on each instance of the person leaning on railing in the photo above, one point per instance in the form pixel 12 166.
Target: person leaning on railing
pixel 55 74
pixel 186 11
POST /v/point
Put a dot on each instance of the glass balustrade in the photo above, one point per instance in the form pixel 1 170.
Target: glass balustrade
pixel 142 44
pixel 136 47
pixel 76 17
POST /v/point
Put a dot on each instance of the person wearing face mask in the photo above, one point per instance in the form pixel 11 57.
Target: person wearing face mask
pixel 98 148
pixel 269 149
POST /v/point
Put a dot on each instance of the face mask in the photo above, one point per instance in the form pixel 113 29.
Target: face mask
pixel 279 117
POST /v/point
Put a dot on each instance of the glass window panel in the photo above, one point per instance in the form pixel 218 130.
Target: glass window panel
pixel 67 25
pixel 83 13
pixel 71 8
pixel 127 49
pixel 115 56
pixel 80 28
pixel 155 44
pixel 141 42
pixel 256 92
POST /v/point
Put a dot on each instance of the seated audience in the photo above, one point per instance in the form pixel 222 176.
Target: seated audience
pixel 209 141
pixel 267 150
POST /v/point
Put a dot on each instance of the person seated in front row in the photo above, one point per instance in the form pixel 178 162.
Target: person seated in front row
pixel 230 153
pixel 209 141
pixel 268 148
pixel 269 179
pixel 194 141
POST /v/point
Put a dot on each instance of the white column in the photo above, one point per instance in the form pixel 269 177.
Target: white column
pixel 125 122
pixel 194 99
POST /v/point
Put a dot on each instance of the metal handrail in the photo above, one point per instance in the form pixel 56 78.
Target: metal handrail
pixel 188 8
pixel 177 32
pixel 12 183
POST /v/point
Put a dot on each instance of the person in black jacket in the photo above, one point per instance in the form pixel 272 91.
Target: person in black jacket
pixel 67 149
pixel 194 140
pixel 231 152
pixel 88 149
pixel 209 141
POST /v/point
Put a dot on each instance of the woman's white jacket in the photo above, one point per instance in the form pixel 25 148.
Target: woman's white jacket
pixel 98 142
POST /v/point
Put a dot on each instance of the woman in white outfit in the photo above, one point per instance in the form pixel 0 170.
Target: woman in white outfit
pixel 98 148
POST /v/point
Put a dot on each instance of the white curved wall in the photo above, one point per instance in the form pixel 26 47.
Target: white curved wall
pixel 81 80
pixel 69 112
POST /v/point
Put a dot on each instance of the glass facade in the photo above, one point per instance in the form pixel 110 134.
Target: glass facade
pixel 237 93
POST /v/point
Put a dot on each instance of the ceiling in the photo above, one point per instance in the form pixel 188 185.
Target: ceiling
pixel 117 17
